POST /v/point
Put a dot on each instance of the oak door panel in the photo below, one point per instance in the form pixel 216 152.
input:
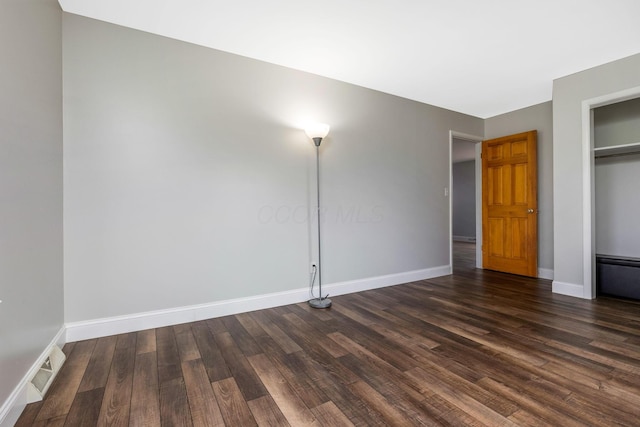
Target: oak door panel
pixel 510 205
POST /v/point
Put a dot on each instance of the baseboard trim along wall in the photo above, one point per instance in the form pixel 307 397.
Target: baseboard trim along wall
pixel 545 273
pixel 17 400
pixel 569 289
pixel 463 238
pixel 77 331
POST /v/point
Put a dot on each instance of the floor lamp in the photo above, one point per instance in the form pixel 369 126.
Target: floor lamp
pixel 317 132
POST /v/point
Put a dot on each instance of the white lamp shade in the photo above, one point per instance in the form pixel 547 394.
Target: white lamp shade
pixel 317 130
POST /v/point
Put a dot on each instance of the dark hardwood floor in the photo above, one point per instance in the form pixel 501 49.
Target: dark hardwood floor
pixel 464 256
pixel 473 348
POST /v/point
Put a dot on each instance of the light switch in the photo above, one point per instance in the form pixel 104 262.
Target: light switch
pixel 446 191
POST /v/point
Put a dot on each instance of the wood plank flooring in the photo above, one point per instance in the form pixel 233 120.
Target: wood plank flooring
pixel 474 348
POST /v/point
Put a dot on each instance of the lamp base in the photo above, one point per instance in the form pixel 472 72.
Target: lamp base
pixel 320 302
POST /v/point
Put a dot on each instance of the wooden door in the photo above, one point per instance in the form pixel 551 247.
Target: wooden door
pixel 510 204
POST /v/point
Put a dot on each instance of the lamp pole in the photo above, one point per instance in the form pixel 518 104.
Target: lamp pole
pixel 317 133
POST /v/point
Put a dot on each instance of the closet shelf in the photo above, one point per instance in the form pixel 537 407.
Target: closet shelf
pixel 617 150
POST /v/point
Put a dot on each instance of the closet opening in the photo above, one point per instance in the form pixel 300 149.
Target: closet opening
pixel 616 174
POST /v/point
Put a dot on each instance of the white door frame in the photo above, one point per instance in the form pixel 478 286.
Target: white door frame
pixel 478 141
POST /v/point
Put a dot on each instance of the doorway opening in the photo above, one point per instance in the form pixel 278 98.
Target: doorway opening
pixel 588 289
pixel 465 201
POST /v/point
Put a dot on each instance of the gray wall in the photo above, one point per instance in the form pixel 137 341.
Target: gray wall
pixel 617 203
pixel 188 178
pixel 537 117
pixel 464 199
pixel 568 95
pixel 617 206
pixel 31 287
pixel 617 124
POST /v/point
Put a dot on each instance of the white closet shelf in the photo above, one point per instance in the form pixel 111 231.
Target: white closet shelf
pixel 617 150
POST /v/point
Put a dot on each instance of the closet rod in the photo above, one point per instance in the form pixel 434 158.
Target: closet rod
pixel 617 150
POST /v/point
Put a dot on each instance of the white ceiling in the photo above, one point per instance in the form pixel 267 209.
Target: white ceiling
pixel 477 57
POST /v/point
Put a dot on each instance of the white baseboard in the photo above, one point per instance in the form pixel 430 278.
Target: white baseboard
pixel 569 289
pixel 545 273
pixel 17 400
pixel 348 287
pixel 77 331
pixel 464 238
pixel 96 328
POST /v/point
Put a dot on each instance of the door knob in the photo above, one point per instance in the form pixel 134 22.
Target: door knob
pixel 530 210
